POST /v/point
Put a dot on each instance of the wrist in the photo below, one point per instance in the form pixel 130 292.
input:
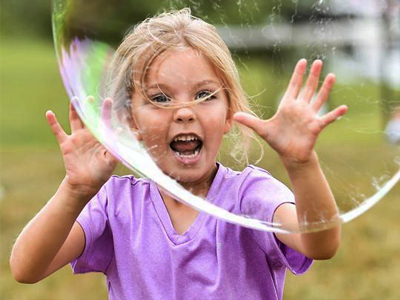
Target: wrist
pixel 294 165
pixel 75 194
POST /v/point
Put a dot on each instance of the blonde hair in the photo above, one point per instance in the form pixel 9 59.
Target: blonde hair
pixel 172 30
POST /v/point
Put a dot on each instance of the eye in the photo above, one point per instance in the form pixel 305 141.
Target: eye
pixel 207 95
pixel 160 98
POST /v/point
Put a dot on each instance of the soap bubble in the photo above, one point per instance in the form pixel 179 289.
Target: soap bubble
pixel 359 153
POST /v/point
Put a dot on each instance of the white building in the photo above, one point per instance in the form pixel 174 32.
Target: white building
pixel 360 37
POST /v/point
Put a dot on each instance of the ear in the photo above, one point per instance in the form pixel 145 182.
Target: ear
pixel 134 128
pixel 132 122
pixel 138 135
pixel 228 123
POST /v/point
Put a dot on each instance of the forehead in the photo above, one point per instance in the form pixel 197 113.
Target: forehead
pixel 183 66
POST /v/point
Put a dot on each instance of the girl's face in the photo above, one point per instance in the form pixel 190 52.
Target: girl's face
pixel 183 140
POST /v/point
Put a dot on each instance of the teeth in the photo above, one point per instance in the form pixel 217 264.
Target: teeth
pixel 185 138
pixel 188 155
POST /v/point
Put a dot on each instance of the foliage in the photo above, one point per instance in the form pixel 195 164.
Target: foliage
pixel 31 169
pixel 113 18
pixel 17 16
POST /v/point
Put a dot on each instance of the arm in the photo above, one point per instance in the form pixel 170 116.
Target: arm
pixel 53 238
pixel 50 240
pixel 314 203
pixel 292 132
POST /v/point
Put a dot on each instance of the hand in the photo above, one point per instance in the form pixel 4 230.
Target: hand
pixel 88 164
pixel 292 132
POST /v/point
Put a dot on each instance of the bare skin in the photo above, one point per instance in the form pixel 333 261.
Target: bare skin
pixel 292 132
pixel 53 238
pixel 181 215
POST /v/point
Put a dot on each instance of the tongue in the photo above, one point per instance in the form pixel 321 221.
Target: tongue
pixel 187 146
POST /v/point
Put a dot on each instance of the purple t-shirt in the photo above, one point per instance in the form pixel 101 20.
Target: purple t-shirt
pixel 130 238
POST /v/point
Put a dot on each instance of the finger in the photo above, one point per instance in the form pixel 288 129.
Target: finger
pixel 324 92
pixel 112 160
pixel 250 121
pixel 109 132
pixel 74 120
pixel 333 115
pixel 55 127
pixel 296 81
pixel 106 111
pixel 312 81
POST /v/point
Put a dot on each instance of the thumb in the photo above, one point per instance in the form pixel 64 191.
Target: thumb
pixel 112 160
pixel 250 121
pixel 56 128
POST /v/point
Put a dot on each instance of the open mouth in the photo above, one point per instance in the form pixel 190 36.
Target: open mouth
pixel 186 145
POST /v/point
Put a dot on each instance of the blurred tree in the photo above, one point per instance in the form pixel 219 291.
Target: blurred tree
pixel 390 102
pixel 22 17
pixel 25 17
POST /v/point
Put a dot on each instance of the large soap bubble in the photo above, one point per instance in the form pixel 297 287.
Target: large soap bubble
pixel 359 43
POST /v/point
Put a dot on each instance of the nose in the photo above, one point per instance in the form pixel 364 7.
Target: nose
pixel 184 114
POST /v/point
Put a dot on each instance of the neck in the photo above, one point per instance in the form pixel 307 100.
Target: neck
pixel 201 188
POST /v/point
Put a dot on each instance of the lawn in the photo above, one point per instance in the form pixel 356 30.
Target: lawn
pixel 353 153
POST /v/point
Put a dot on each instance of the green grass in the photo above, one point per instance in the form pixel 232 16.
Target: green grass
pixel 30 85
pixel 366 266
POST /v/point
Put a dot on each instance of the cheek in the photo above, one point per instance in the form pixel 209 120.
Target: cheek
pixel 228 126
pixel 217 127
pixel 150 119
pixel 154 142
pixel 218 120
pixel 152 134
pixel 153 127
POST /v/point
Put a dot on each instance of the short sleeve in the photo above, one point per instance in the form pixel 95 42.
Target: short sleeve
pixel 261 195
pixel 98 251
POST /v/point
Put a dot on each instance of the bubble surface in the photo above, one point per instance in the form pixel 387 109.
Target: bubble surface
pixel 359 153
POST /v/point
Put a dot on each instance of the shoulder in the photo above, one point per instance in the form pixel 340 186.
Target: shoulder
pixel 250 171
pixel 256 191
pixel 118 188
pixel 127 179
pixel 252 187
pixel 259 183
pixel 120 183
pixel 258 177
pixel 257 172
pixel 250 177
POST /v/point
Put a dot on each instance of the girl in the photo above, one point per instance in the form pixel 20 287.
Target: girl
pixel 184 95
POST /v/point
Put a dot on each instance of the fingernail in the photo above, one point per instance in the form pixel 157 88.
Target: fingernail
pixel 74 100
pixel 90 99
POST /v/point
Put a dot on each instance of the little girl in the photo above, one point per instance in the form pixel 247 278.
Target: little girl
pixel 184 95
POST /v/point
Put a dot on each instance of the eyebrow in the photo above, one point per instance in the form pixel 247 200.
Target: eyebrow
pixel 197 85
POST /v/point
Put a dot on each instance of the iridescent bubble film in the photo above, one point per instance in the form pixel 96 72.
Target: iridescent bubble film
pixel 357 41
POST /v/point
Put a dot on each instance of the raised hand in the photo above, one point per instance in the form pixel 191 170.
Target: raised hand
pixel 88 164
pixel 293 131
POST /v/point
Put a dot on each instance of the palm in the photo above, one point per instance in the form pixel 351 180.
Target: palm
pixel 88 164
pixel 86 160
pixel 293 131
